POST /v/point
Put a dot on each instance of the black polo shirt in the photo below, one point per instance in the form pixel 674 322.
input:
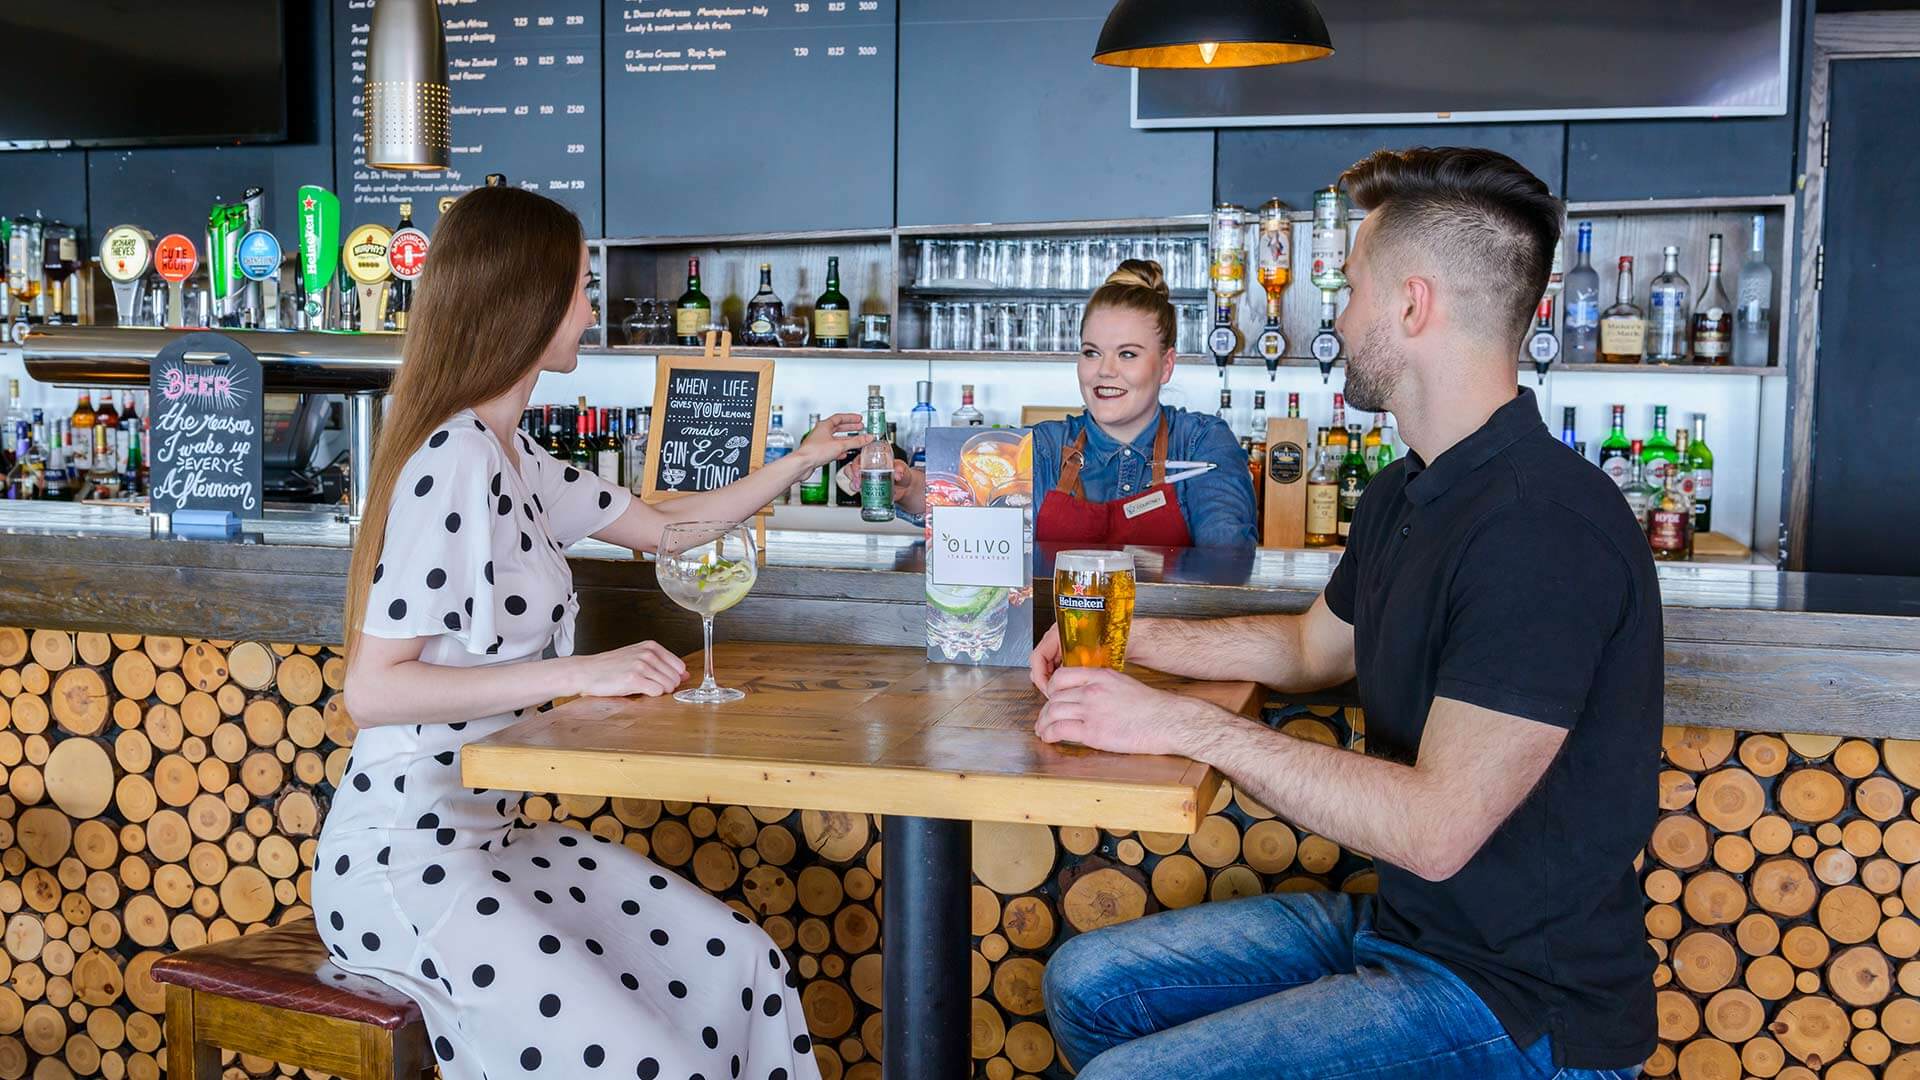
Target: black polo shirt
pixel 1509 574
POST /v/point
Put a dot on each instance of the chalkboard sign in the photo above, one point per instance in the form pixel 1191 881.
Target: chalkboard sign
pixel 525 81
pixel 709 423
pixel 206 426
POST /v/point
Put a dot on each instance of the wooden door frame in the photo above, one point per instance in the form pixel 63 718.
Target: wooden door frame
pixel 1861 36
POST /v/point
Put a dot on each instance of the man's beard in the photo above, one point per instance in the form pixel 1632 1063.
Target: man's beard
pixel 1374 367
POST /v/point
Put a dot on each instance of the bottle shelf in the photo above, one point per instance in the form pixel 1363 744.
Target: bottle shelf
pixel 981 290
pixel 1669 369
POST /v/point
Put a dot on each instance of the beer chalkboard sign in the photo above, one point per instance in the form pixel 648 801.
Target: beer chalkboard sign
pixel 206 426
pixel 709 422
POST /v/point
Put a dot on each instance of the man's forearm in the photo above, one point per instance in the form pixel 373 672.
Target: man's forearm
pixel 1377 807
pixel 1266 649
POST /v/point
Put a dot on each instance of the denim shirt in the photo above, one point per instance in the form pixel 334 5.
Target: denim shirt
pixel 1217 505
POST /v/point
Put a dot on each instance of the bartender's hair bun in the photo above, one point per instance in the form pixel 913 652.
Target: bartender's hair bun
pixel 1137 285
pixel 1140 273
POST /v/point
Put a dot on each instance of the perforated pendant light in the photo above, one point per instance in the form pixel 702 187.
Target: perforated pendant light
pixel 406 105
pixel 1211 33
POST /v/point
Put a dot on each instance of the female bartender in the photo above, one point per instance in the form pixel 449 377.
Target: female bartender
pixel 1101 477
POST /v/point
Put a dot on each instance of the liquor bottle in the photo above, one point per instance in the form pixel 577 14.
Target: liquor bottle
pixel 638 422
pixel 581 454
pixel 1293 406
pixel 1276 255
pixel 693 310
pixel 82 424
pixel 1669 312
pixel 1659 454
pixel 607 452
pixel 918 421
pixel 1226 408
pixel 106 435
pixel 1389 442
pixel 127 412
pixel 1623 330
pixel 1257 457
pixel 1254 472
pixel 59 483
pixel 832 315
pixel 1753 320
pixel 876 463
pixel 61 257
pixel 966 415
pixel 813 488
pixel 1617 456
pixel 1699 462
pixel 1370 444
pixel 779 445
pixel 1337 433
pixel 133 477
pixel 16 417
pixel 763 313
pixel 1258 427
pixel 1566 426
pixel 400 290
pixel 1713 318
pixel 25 271
pixel 1639 492
pixel 1352 478
pixel 1670 519
pixel 1330 239
pixel 1323 497
pixel 1580 305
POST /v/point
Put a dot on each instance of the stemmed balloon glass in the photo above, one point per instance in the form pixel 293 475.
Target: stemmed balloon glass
pixel 707 567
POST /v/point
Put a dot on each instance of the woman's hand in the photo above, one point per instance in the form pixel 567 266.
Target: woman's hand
pixel 823 444
pixel 645 668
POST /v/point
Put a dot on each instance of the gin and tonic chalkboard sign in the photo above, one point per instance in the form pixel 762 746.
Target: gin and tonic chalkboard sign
pixel 206 427
pixel 709 423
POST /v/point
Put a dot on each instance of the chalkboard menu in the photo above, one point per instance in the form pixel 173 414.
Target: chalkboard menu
pixel 749 118
pixel 525 83
pixel 709 423
pixel 206 426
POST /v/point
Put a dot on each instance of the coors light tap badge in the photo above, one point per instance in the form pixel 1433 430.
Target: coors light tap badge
pixel 366 258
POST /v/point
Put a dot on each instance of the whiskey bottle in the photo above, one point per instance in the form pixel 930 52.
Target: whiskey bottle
pixel 1623 330
pixel 1669 312
pixel 1352 479
pixel 1713 319
pixel 763 312
pixel 1323 498
pixel 693 310
pixel 1670 519
pixel 832 315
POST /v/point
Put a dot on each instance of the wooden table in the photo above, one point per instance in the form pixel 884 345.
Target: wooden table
pixel 871 730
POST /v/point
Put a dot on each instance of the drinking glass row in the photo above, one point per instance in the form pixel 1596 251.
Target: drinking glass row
pixel 979 326
pixel 1040 263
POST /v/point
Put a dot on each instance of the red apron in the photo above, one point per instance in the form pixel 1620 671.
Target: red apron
pixel 1151 518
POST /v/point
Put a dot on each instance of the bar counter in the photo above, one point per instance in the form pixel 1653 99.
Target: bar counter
pixel 171 732
pixel 1817 653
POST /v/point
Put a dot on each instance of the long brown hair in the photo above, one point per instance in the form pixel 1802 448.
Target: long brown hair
pixel 1140 286
pixel 504 268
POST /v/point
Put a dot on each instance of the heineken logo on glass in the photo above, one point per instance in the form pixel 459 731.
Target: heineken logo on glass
pixel 1080 603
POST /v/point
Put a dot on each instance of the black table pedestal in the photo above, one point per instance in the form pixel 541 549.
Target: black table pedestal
pixel 925 938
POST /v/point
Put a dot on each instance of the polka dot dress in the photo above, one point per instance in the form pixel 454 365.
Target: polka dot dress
pixel 532 949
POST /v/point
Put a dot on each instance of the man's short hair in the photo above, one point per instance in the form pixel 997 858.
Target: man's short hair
pixel 1488 223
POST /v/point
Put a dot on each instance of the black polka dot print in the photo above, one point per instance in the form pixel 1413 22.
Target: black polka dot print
pixel 532 948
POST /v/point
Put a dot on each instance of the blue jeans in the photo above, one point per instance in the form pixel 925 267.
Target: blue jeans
pixel 1272 987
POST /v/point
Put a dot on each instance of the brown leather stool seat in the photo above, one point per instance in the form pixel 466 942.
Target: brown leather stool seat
pixel 276 995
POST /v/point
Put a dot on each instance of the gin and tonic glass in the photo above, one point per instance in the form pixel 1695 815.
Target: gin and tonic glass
pixel 707 567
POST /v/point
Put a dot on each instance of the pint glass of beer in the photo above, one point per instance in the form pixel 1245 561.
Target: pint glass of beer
pixel 1093 606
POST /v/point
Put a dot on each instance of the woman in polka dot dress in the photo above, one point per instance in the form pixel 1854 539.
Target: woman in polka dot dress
pixel 531 949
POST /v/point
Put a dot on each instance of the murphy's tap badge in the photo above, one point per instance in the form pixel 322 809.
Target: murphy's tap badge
pixel 319 216
pixel 366 260
pixel 259 258
pixel 174 260
pixel 126 254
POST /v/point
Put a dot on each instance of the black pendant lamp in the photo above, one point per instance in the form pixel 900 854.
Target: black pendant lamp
pixel 1212 33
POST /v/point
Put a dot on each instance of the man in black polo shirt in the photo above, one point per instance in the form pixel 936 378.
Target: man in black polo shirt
pixel 1498 604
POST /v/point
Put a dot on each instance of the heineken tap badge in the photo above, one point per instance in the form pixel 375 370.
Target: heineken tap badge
pixel 126 254
pixel 367 265
pixel 319 216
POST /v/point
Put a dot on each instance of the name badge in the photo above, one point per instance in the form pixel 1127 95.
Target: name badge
pixel 1145 504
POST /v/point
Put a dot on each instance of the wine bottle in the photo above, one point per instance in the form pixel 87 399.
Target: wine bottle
pixel 693 310
pixel 832 315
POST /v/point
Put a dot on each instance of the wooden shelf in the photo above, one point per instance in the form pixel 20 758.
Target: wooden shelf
pixel 1670 369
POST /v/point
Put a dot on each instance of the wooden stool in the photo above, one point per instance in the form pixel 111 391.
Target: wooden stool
pixel 276 995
